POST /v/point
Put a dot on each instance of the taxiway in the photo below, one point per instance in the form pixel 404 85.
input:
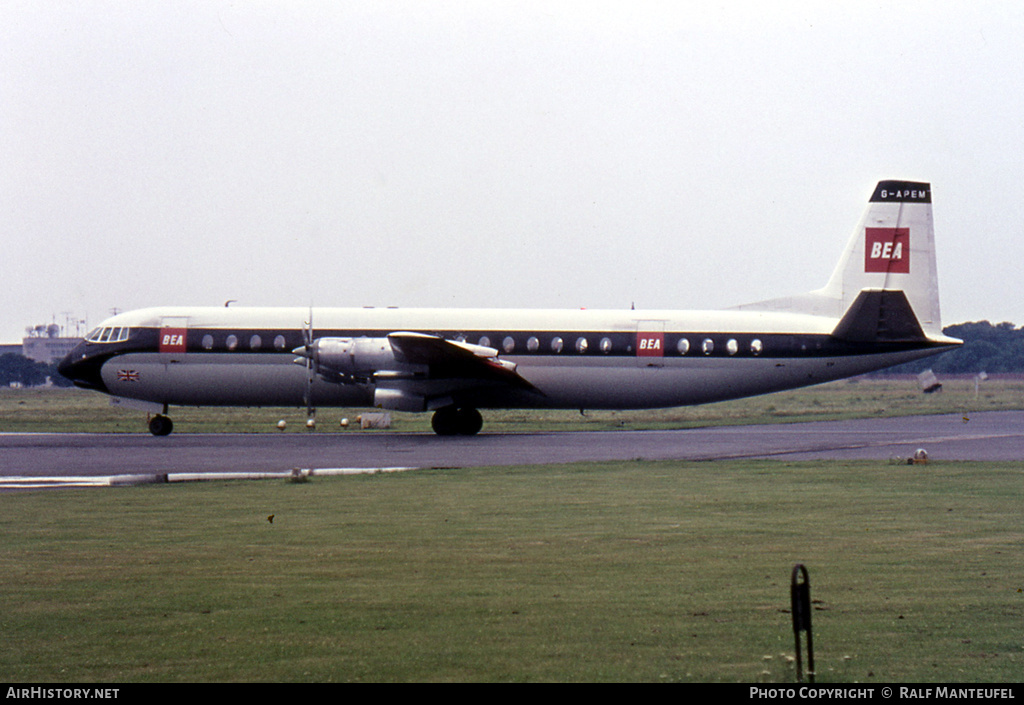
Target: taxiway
pixel 992 436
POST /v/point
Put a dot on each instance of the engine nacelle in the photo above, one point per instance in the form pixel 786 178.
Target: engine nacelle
pixel 356 357
pixel 398 400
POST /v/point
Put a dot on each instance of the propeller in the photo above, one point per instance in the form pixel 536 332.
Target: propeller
pixel 307 334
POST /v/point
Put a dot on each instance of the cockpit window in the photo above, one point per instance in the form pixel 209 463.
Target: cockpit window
pixel 109 335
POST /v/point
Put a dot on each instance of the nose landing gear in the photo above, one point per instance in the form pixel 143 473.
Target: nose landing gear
pixel 161 425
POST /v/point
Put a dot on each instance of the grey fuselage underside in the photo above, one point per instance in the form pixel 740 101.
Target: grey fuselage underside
pixel 246 379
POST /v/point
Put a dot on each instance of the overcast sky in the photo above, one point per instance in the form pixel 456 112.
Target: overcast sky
pixel 492 153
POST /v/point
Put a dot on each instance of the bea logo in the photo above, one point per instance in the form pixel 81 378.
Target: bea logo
pixel 887 250
pixel 650 344
pixel 172 340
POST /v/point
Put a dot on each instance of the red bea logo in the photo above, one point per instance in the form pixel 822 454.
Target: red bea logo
pixel 650 344
pixel 172 339
pixel 887 250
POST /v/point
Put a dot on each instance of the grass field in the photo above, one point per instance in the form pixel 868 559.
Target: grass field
pixel 629 571
pixel 40 410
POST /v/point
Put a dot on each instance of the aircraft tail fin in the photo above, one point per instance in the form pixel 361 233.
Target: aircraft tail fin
pixel 887 272
pixel 893 249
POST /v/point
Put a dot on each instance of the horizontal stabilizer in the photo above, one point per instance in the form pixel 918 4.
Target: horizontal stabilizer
pixel 879 316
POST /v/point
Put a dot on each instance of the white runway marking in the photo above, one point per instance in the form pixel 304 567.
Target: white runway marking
pixel 33 483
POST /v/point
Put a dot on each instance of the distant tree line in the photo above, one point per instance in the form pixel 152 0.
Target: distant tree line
pixel 18 369
pixel 987 348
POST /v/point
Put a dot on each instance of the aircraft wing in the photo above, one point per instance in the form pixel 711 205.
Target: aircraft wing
pixel 447 359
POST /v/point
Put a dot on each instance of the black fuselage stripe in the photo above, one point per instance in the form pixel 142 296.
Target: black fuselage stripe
pixel 620 343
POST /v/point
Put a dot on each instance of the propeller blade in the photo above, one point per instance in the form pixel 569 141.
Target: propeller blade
pixel 310 371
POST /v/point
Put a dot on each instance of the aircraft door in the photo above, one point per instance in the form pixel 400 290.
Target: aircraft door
pixel 650 343
pixel 173 334
pixel 172 344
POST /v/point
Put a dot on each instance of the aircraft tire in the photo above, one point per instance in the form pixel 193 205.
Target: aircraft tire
pixel 470 421
pixel 161 425
pixel 445 421
pixel 454 421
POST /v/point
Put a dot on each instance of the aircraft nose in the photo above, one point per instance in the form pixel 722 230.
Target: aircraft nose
pixel 66 367
pixel 82 369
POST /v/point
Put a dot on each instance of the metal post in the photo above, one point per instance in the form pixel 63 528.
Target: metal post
pixel 800 597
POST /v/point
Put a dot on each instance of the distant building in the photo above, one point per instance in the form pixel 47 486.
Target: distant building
pixel 45 344
pixel 47 349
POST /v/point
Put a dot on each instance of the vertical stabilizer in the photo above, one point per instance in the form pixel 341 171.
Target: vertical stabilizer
pixel 892 249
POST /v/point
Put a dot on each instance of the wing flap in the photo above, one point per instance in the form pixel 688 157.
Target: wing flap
pixel 453 360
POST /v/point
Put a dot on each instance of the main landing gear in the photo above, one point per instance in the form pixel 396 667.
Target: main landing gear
pixel 161 425
pixel 455 421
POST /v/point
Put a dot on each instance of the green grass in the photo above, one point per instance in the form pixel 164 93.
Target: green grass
pixel 599 572
pixel 629 571
pixel 68 410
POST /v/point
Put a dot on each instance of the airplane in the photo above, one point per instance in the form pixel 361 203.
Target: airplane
pixel 879 308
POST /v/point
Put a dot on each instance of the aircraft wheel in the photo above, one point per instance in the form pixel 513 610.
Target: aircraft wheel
pixel 470 422
pixel 453 421
pixel 445 421
pixel 161 425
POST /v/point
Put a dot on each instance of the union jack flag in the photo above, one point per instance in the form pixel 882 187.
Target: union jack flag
pixel 127 375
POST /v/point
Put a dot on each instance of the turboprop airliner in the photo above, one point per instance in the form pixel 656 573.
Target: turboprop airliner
pixel 879 308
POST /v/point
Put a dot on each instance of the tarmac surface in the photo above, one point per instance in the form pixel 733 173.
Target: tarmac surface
pixel 991 436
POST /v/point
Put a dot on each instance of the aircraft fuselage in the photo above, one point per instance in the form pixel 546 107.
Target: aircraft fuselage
pixel 572 359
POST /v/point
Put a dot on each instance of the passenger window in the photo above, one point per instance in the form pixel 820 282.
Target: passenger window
pixel 683 346
pixel 532 344
pixel 606 345
pixel 509 344
pixel 708 346
pixel 279 342
pixel 756 346
pixel 732 347
pixel 581 345
pixel 255 342
pixel 207 342
pixel 232 342
pixel 484 341
pixel 556 344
